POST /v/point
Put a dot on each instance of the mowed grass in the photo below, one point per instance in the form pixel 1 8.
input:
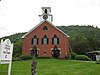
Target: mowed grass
pixel 53 67
pixel 18 68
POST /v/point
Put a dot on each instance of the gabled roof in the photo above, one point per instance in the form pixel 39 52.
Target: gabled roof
pixel 40 24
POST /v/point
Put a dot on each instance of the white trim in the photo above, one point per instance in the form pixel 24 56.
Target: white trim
pixel 32 29
pixel 53 48
pixel 58 29
pixel 40 24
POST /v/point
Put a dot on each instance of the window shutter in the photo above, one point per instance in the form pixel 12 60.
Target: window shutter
pixel 52 40
pixel 47 41
pixel 57 40
pixel 32 41
pixel 37 41
pixel 42 40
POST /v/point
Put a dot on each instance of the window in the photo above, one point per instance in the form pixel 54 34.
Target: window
pixel 45 28
pixel 55 40
pixel 45 40
pixel 35 40
pixel 45 11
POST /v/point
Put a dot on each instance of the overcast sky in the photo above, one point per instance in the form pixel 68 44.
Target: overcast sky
pixel 22 15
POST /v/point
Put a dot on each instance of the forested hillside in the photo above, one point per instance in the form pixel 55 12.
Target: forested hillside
pixel 16 40
pixel 82 38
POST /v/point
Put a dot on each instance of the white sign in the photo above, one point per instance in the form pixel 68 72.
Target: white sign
pixel 6 50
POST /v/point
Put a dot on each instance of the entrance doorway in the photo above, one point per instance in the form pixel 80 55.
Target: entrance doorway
pixel 34 51
pixel 55 52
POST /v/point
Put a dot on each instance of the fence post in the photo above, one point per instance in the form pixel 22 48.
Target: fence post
pixel 34 62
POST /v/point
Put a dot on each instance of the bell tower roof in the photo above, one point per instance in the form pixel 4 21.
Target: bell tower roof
pixel 46 14
pixel 46 10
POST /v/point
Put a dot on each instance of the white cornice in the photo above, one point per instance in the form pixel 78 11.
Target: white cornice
pixel 40 24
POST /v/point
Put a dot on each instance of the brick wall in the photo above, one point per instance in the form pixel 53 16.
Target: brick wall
pixel 39 32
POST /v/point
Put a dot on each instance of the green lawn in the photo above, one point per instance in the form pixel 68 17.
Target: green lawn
pixel 53 67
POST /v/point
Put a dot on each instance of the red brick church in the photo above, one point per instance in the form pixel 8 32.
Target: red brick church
pixel 46 39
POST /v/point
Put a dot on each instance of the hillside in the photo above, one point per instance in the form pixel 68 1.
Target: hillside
pixel 82 38
pixel 15 37
pixel 84 31
pixel 16 40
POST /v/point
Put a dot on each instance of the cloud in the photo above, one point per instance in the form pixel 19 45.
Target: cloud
pixel 3 29
pixel 1 14
pixel 96 2
pixel 22 15
pixel 84 4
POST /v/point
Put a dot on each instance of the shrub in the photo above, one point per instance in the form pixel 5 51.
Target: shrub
pixel 17 55
pixel 25 57
pixel 16 59
pixel 43 57
pixel 73 55
pixel 83 57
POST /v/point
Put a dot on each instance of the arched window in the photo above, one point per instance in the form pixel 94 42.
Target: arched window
pixel 45 28
pixel 35 40
pixel 45 40
pixel 46 11
pixel 55 40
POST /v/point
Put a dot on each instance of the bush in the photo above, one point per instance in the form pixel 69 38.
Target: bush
pixel 73 55
pixel 17 55
pixel 16 59
pixel 43 57
pixel 83 57
pixel 25 57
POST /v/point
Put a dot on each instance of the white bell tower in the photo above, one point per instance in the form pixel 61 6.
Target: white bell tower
pixel 46 14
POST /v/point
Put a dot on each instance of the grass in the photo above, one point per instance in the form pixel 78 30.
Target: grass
pixel 53 67
pixel 67 67
pixel 18 68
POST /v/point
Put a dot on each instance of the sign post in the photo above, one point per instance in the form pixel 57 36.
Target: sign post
pixel 6 50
